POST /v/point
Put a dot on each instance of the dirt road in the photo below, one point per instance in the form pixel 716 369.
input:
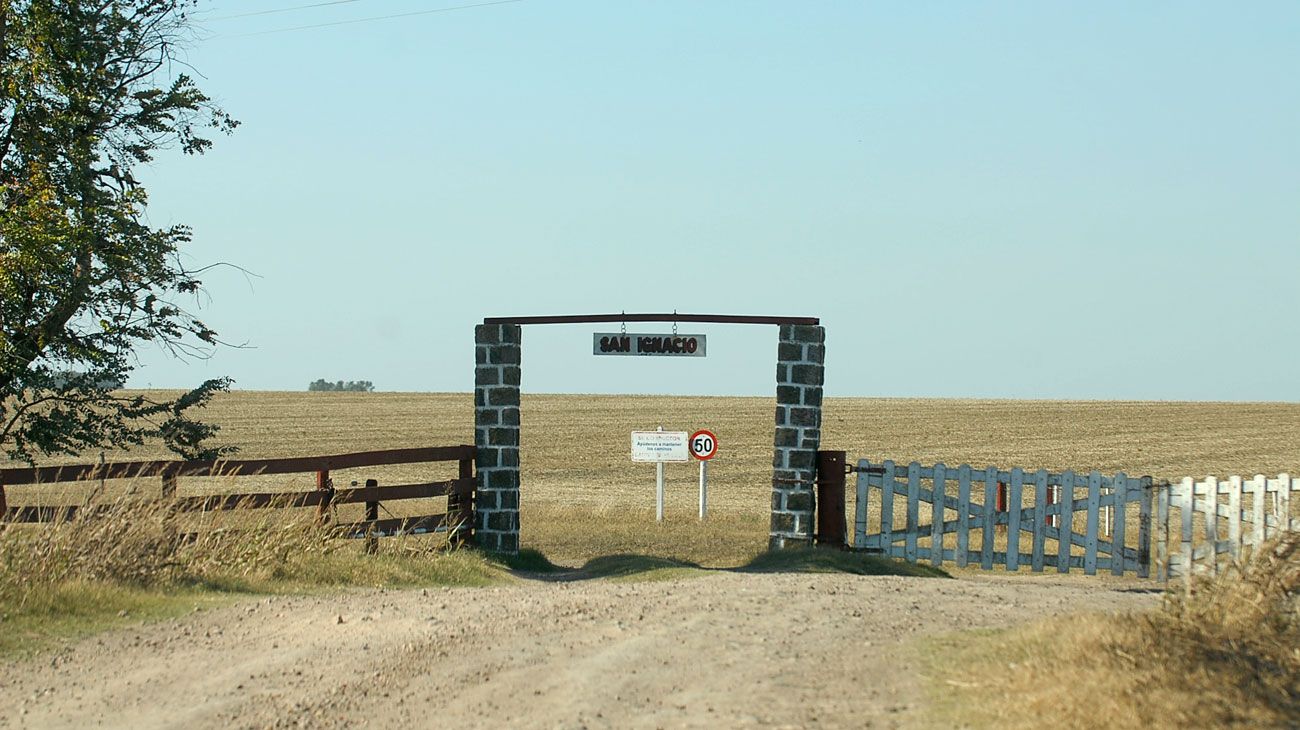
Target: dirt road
pixel 723 650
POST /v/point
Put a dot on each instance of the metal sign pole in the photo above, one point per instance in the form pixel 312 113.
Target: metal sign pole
pixel 659 487
pixel 659 491
pixel 704 489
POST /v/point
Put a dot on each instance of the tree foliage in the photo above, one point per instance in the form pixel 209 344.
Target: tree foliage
pixel 88 92
pixel 351 386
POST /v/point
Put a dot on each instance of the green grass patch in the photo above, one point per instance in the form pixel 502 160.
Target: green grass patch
pixel 48 613
pixel 820 560
pixel 73 610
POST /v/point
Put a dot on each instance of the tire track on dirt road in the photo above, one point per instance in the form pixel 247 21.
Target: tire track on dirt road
pixel 725 649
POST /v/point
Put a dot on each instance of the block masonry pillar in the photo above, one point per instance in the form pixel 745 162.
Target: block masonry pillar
pixel 497 350
pixel 800 374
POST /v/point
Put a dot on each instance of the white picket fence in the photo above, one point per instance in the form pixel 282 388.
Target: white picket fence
pixel 1199 521
pixel 962 503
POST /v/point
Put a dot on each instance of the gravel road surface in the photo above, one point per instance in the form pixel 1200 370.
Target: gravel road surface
pixel 726 649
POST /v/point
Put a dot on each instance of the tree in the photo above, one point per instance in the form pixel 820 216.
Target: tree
pixel 351 386
pixel 87 94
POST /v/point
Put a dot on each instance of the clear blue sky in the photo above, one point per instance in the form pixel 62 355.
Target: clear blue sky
pixel 1061 200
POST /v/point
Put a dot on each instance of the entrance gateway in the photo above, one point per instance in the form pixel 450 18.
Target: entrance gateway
pixel 800 374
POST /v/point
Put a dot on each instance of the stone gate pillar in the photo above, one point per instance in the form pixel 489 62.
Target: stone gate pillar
pixel 496 435
pixel 800 373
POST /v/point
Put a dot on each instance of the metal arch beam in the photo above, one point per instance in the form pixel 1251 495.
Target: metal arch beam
pixel 672 317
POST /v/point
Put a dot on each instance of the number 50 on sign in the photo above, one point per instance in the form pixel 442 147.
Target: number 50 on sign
pixel 704 445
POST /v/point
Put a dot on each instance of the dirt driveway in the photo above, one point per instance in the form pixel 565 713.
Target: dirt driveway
pixel 722 650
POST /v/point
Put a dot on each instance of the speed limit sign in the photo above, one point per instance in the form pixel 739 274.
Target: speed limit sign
pixel 704 445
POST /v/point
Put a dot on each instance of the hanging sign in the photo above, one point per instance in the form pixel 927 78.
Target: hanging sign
pixel 659 446
pixel 631 343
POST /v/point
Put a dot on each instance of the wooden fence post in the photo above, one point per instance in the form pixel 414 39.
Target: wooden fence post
pixel 169 481
pixel 326 488
pixel 460 507
pixel 372 515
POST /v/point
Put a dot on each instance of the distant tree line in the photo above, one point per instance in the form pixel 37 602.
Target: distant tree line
pixel 70 379
pixel 351 386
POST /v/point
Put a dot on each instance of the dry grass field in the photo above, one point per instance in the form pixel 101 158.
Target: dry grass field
pixel 583 498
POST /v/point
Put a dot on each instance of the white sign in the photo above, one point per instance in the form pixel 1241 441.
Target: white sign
pixel 631 343
pixel 660 446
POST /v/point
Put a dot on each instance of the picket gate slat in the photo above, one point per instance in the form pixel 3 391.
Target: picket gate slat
pixel 1185 500
pixel 887 508
pixel 990 516
pixel 1093 518
pixel 1162 533
pixel 860 508
pixel 1234 518
pixel 913 510
pixel 1119 510
pixel 1040 519
pixel 963 515
pixel 1284 501
pixel 1211 513
pixel 1065 522
pixel 1014 503
pixel 1259 485
pixel 936 516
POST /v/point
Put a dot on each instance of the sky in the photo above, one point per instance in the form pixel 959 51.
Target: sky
pixel 980 199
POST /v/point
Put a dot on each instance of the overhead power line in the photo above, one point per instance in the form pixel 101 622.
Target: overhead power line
pixel 374 18
pixel 284 10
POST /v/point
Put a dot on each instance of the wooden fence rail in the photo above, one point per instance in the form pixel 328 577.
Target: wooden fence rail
pixel 458 519
pixel 1028 513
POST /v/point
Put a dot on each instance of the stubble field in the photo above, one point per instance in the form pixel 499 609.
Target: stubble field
pixel 682 646
pixel 583 498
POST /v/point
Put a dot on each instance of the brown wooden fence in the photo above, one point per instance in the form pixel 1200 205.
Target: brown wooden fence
pixel 458 520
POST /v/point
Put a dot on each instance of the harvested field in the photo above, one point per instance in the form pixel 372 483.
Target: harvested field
pixel 582 497
pixel 682 647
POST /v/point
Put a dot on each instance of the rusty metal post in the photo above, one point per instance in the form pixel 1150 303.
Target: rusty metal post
pixel 1001 505
pixel 831 530
pixel 326 488
pixel 372 514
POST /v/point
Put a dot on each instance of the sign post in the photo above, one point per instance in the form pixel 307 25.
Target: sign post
pixel 659 491
pixel 704 446
pixel 659 446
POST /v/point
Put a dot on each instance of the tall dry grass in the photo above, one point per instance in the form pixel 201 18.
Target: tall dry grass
pixel 1224 653
pixel 128 552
